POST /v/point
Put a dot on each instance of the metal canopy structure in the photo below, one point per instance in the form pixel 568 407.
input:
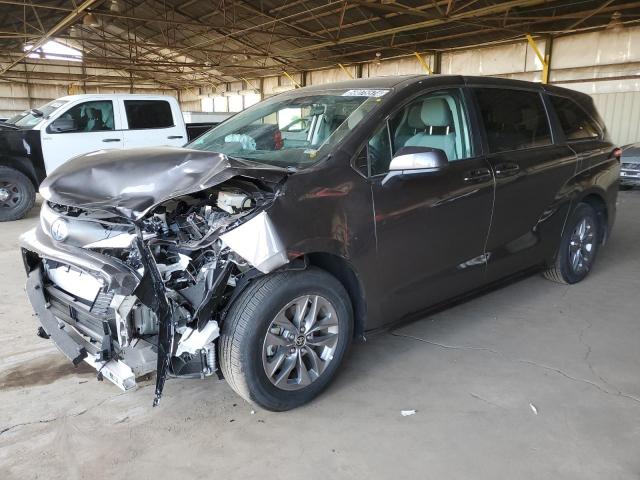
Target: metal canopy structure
pixel 192 43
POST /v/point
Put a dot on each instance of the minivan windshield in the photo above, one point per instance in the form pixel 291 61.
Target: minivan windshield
pixel 293 129
pixel 31 118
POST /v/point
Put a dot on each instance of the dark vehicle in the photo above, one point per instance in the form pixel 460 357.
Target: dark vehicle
pixel 630 168
pixel 262 261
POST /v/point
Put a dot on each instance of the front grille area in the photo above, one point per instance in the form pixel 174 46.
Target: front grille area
pixel 631 166
pixel 96 320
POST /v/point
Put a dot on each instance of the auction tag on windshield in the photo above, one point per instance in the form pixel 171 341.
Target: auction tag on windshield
pixel 362 92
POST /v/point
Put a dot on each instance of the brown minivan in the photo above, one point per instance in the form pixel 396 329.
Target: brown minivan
pixel 261 249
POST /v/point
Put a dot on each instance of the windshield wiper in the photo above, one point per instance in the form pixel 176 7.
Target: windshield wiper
pixel 10 126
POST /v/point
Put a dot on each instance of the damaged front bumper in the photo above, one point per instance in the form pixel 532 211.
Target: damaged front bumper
pixel 84 331
pixel 85 302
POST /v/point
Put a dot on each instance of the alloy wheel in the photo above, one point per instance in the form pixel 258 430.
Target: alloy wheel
pixel 581 245
pixel 300 342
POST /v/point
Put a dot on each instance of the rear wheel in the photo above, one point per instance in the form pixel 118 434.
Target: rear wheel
pixel 626 187
pixel 284 338
pixel 17 194
pixel 578 247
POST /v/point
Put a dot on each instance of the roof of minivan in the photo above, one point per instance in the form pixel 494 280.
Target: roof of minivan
pixel 395 80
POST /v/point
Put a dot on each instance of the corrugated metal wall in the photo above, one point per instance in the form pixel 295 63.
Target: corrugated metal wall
pixel 604 64
pixel 621 114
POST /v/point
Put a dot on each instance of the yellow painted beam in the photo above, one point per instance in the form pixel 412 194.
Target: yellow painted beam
pixel 423 62
pixel 346 71
pixel 250 84
pixel 544 59
pixel 291 78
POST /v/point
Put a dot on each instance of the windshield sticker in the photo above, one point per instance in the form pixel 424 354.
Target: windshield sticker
pixel 361 92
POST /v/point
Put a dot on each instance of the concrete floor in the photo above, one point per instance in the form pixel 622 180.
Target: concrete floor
pixel 471 372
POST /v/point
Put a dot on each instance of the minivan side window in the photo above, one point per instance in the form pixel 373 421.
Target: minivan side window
pixel 92 116
pixel 574 121
pixel 148 114
pixel 513 119
pixel 436 120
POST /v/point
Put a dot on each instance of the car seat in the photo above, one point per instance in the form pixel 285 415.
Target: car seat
pixel 434 127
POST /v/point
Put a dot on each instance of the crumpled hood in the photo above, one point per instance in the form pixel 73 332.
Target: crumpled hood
pixel 131 182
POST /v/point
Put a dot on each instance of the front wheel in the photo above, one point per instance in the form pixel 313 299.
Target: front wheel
pixel 285 336
pixel 17 194
pixel 578 247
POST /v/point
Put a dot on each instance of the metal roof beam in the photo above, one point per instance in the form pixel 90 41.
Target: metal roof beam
pixel 72 17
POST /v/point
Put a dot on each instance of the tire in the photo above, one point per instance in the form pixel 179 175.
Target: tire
pixel 625 187
pixel 17 194
pixel 568 268
pixel 247 351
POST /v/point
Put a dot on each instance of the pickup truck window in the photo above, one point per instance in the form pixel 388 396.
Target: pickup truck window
pixel 148 114
pixel 32 117
pixel 92 116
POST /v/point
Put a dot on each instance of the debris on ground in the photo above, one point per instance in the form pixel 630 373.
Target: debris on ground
pixel 406 413
pixel 533 408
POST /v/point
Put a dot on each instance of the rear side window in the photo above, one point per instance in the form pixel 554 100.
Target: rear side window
pixel 148 114
pixel 574 121
pixel 513 119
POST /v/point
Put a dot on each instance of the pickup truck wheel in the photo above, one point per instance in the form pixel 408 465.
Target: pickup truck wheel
pixel 284 338
pixel 17 194
pixel 578 247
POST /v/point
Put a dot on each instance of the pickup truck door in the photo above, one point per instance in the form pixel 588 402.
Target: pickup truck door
pixel 89 126
pixel 152 123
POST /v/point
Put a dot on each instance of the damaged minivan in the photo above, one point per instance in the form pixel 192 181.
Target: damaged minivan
pixel 259 251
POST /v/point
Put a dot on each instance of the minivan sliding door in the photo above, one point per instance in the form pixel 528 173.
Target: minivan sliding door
pixel 531 201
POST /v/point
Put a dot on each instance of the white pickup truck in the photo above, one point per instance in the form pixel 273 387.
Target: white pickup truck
pixel 36 142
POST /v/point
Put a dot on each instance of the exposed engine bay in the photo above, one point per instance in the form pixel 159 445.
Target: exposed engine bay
pixel 187 257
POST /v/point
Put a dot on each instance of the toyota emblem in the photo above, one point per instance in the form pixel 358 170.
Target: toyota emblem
pixel 59 229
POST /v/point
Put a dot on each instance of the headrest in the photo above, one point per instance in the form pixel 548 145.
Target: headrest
pixel 436 113
pixel 355 118
pixel 414 119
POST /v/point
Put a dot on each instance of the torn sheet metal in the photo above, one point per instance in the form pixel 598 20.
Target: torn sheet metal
pixel 258 243
pixel 131 182
pixel 151 293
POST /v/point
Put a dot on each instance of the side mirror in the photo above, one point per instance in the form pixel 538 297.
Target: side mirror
pixel 61 125
pixel 418 158
pixel 416 161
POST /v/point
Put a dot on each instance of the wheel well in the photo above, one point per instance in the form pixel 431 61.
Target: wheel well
pixel 24 168
pixel 340 268
pixel 598 204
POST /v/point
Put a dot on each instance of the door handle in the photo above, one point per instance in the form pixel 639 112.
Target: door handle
pixel 477 175
pixel 111 140
pixel 171 137
pixel 506 169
